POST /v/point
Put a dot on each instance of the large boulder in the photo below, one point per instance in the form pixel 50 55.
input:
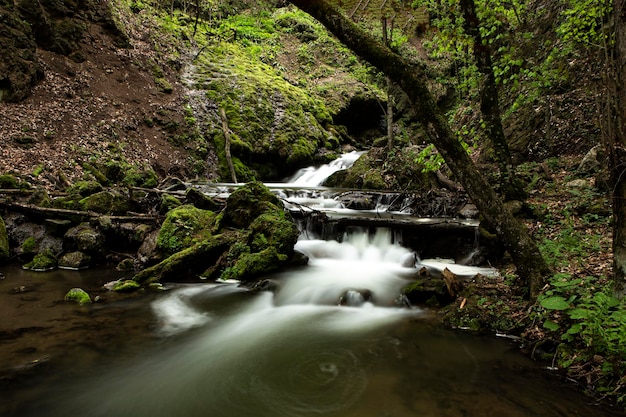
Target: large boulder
pixel 183 227
pixel 85 238
pixel 247 203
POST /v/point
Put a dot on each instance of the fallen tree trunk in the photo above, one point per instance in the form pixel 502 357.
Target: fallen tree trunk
pixel 75 215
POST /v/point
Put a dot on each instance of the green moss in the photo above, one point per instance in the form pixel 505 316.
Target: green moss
pixel 270 118
pixel 169 202
pixel 107 202
pixel 78 295
pixel 248 202
pixel 98 175
pixel 126 286
pixel 273 229
pixel 135 177
pixel 253 265
pixel 9 181
pixel 40 198
pixel 43 261
pixel 84 188
pixel 183 227
pixel 164 85
pixel 4 241
pixel 29 246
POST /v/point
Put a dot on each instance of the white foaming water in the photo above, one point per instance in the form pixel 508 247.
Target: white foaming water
pixel 313 176
pixel 175 314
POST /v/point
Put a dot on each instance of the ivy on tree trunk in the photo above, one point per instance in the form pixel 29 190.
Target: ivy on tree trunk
pixel 531 267
pixel 490 103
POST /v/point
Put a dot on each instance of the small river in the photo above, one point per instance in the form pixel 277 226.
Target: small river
pixel 332 339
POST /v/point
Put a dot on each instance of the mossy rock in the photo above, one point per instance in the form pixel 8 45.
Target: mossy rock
pixel 273 229
pixel 247 203
pixel 107 202
pixel 183 227
pixel 74 260
pixel 4 242
pixel 127 264
pixel 252 265
pixel 43 261
pixel 168 202
pixel 29 246
pixel 200 200
pixel 86 238
pixel 40 198
pixel 126 286
pixel 140 177
pixel 84 188
pixel 78 295
pixel 11 182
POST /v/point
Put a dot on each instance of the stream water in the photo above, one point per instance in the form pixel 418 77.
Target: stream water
pixel 333 338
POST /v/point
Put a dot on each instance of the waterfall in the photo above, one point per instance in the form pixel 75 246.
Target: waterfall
pixel 314 176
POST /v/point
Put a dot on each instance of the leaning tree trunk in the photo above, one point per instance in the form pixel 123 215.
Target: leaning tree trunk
pixel 531 266
pixel 616 147
pixel 490 103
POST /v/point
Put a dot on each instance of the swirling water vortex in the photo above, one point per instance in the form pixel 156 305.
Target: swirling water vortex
pixel 309 382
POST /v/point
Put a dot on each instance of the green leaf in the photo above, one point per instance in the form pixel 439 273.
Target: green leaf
pixel 554 303
pixel 575 329
pixel 579 313
pixel 550 325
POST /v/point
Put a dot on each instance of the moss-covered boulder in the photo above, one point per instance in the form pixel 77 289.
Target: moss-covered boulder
pixel 40 198
pixel 45 260
pixel 114 202
pixel 273 229
pixel 183 227
pixel 379 170
pixel 4 242
pixel 11 182
pixel 252 265
pixel 247 203
pixel 78 295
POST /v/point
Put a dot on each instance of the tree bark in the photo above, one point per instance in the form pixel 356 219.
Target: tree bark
pixel 387 41
pixel 531 267
pixel 490 103
pixel 616 147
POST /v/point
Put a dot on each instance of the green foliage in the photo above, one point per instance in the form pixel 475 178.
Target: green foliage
pixel 585 314
pixel 584 22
